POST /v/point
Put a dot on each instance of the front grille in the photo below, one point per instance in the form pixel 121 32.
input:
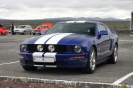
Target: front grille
pixel 29 62
pixel 36 30
pixel 59 63
pixel 58 48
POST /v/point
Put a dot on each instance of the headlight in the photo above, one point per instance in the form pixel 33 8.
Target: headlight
pixel 23 47
pixel 77 49
pixel 51 48
pixel 40 48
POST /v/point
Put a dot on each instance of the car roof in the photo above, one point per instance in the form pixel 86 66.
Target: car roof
pixel 80 22
pixel 24 25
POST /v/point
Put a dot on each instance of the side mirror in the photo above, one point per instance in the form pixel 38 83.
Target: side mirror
pixel 103 32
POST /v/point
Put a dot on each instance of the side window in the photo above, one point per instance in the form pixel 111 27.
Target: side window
pixel 101 27
pixel 28 27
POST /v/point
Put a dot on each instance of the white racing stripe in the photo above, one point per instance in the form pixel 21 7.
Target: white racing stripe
pixel 51 57
pixel 70 21
pixel 43 39
pixel 9 63
pixel 80 21
pixel 48 57
pixel 57 38
pixel 122 79
pixel 37 56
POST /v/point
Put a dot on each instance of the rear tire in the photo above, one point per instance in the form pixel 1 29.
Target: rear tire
pixel 114 56
pixel 24 33
pixel 33 33
pixel 30 33
pixel 29 68
pixel 91 63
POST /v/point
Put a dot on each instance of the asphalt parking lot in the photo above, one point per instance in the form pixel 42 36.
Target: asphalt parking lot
pixel 120 73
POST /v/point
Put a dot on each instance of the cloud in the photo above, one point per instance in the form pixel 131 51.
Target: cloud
pixel 38 9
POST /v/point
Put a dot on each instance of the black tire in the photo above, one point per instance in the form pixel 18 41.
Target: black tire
pixel 91 63
pixel 114 56
pixel 29 68
pixel 30 33
pixel 21 33
pixel 24 33
pixel 33 33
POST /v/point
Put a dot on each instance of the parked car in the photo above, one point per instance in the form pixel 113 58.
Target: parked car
pixel 23 29
pixel 71 44
pixel 40 28
pixel 3 31
pixel 43 32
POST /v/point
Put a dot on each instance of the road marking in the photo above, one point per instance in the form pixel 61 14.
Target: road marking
pixel 9 63
pixel 26 79
pixel 122 79
pixel 131 35
pixel 126 40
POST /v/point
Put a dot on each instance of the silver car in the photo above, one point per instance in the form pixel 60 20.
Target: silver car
pixel 23 29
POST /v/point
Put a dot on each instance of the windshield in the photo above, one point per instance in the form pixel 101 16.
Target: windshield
pixel 81 28
pixel 21 26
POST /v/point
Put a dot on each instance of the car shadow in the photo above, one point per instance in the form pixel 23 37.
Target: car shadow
pixel 65 71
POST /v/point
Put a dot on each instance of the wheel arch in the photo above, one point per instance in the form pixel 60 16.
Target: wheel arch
pixel 116 44
pixel 95 49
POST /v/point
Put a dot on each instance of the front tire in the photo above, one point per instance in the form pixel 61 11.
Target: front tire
pixel 29 68
pixel 114 56
pixel 24 33
pixel 91 63
pixel 33 33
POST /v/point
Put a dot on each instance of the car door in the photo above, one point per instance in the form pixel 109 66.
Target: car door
pixel 28 29
pixel 103 43
pixel 25 29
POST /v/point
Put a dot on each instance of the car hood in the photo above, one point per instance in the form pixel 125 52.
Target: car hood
pixel 1 28
pixel 60 38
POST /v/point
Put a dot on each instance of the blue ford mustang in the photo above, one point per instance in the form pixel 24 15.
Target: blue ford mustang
pixel 71 44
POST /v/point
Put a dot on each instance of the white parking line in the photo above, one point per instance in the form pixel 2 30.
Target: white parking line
pixel 131 35
pixel 9 63
pixel 122 79
pixel 126 40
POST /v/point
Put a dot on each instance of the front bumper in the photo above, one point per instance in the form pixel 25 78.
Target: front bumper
pixel 36 32
pixel 4 32
pixel 52 60
pixel 18 32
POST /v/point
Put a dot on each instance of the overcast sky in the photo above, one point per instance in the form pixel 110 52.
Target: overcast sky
pixel 40 9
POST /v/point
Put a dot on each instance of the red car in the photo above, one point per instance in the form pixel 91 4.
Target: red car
pixel 3 31
pixel 44 26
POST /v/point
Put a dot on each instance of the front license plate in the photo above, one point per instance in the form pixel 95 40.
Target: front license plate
pixel 44 59
pixel 48 59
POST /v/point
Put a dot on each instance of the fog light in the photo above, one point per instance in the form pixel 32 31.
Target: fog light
pixel 21 56
pixel 78 57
